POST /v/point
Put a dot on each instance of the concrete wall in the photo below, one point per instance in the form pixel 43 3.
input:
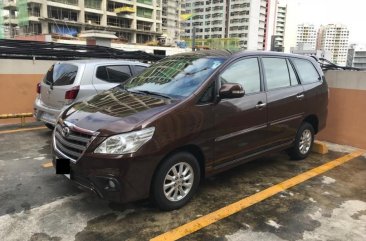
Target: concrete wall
pixel 18 81
pixel 346 122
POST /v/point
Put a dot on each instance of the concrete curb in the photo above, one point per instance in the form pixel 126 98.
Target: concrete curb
pixel 320 147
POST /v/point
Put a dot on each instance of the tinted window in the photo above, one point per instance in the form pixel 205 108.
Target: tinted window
pixel 244 72
pixel 139 69
pixel 61 74
pixel 114 74
pixel 293 77
pixel 277 73
pixel 307 71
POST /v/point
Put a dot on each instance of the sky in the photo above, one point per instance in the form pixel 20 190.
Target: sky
pixel 351 13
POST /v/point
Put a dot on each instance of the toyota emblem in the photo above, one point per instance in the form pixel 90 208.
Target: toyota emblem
pixel 66 131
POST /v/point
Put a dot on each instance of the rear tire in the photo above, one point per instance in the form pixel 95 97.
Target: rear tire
pixel 303 142
pixel 49 126
pixel 175 182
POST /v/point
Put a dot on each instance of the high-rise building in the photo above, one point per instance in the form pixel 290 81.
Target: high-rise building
pixel 280 25
pixel 135 21
pixel 306 37
pixel 334 38
pixel 171 21
pixel 357 56
pixel 245 20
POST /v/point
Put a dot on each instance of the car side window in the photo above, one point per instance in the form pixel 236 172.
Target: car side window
pixel 114 73
pixel 139 69
pixel 244 72
pixel 306 70
pixel 277 73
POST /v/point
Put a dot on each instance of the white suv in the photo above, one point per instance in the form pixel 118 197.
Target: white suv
pixel 70 81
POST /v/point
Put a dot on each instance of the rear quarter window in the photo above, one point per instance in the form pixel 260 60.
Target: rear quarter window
pixel 306 70
pixel 114 73
pixel 61 74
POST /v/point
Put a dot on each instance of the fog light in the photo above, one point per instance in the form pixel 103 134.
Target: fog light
pixel 111 184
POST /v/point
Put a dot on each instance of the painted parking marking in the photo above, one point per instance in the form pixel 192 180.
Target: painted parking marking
pixel 22 129
pixel 233 208
pixel 47 165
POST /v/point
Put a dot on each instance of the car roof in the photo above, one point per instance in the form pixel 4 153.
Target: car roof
pixel 235 53
pixel 104 61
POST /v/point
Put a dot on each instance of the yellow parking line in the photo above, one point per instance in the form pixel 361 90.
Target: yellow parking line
pixel 22 129
pixel 224 212
pixel 47 165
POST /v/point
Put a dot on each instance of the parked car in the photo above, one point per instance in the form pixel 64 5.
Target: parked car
pixel 70 81
pixel 187 117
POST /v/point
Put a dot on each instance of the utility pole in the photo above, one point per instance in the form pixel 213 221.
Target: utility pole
pixel 194 38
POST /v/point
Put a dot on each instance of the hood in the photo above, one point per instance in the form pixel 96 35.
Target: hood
pixel 115 111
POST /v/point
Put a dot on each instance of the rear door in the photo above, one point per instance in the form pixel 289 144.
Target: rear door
pixel 60 78
pixel 241 123
pixel 109 76
pixel 285 99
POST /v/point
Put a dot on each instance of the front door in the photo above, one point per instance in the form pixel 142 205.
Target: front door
pixel 240 124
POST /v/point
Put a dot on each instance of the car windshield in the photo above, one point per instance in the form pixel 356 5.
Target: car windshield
pixel 175 77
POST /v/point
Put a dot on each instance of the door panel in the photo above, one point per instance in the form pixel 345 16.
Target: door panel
pixel 240 127
pixel 285 113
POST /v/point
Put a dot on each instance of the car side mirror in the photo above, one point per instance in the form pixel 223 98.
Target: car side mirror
pixel 231 91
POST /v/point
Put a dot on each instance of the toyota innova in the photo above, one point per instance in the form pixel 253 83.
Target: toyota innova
pixel 187 117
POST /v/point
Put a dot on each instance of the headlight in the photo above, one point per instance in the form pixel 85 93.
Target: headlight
pixel 125 143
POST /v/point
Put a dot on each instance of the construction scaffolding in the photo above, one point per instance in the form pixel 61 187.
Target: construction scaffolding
pixel 215 43
pixel 23 18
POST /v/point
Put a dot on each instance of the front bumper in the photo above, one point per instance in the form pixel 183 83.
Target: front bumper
pixel 131 176
pixel 44 113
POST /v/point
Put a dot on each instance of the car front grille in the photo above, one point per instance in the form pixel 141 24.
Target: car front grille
pixel 71 143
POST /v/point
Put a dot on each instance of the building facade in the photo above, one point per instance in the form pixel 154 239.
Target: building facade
pixel 334 38
pixel 171 21
pixel 134 21
pixel 357 56
pixel 280 27
pixel 306 36
pixel 245 20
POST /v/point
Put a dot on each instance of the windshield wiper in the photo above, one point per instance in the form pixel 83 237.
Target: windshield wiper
pixel 151 93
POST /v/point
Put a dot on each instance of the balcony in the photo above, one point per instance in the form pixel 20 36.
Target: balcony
pixel 68 2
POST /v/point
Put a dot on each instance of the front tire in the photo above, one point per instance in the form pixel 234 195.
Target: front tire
pixel 176 181
pixel 303 142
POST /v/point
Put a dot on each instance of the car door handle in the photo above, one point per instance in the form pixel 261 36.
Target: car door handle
pixel 300 96
pixel 260 105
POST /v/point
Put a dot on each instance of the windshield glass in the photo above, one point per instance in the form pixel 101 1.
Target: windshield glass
pixel 175 77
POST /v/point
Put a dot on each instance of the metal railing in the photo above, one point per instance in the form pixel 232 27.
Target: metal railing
pixel 22 117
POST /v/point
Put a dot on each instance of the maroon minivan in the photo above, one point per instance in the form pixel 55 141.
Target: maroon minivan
pixel 187 117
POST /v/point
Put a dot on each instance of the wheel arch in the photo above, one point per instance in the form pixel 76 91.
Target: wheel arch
pixel 192 149
pixel 314 121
